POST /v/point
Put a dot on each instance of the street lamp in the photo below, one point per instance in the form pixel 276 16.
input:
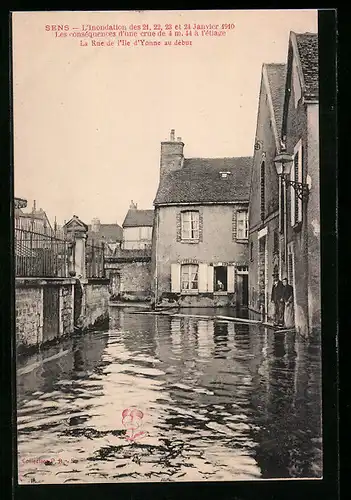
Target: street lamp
pixel 283 163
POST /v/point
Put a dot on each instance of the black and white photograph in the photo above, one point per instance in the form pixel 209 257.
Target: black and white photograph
pixel 167 246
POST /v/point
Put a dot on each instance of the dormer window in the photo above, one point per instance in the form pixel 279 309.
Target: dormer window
pixel 224 175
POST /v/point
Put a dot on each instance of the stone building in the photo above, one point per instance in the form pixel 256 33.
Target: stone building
pixel 129 266
pixel 284 202
pixel 200 237
pixel 300 139
pixel 264 222
pixel 110 235
pixel 137 228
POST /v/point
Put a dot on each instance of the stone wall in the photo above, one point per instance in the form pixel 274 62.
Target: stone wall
pixel 130 280
pixel 46 308
pixel 66 309
pixel 29 316
pixel 95 302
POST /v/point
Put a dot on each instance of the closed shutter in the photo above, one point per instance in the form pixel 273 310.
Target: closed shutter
pixel 231 279
pixel 234 224
pixel 175 278
pixel 210 278
pixel 202 277
pixel 201 226
pixel 179 226
pixel 299 179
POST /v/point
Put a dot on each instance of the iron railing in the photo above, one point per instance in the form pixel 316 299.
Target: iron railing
pixel 95 260
pixel 41 255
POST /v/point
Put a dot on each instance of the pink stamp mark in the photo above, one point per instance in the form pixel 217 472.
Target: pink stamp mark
pixel 132 421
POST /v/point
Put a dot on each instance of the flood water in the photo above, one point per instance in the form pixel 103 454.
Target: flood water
pixel 218 401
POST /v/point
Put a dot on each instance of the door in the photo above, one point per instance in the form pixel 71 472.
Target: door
pixel 50 312
pixel 242 288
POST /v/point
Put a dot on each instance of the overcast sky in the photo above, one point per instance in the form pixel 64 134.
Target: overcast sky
pixel 88 121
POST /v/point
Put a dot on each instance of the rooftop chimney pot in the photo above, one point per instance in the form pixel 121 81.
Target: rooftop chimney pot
pixel 172 134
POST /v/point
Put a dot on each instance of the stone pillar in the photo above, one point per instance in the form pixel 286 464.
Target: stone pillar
pixel 79 254
pixel 77 231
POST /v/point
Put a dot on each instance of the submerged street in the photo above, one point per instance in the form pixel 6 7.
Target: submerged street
pixel 217 400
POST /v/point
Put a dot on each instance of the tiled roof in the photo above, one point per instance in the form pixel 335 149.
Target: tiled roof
pixel 138 218
pixel 199 180
pixel 276 77
pixel 307 44
pixel 107 232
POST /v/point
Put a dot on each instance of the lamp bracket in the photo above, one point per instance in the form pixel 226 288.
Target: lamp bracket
pixel 302 190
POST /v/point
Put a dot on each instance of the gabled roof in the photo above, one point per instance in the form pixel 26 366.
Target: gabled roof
pixel 307 45
pixel 276 75
pixel 107 232
pixel 199 180
pixel 138 218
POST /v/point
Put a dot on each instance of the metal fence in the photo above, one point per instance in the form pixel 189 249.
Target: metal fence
pixel 95 260
pixel 41 255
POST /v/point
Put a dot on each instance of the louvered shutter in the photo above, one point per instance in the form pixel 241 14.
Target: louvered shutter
pixel 202 277
pixel 299 179
pixel 231 278
pixel 210 278
pixel 234 225
pixel 175 278
pixel 179 226
pixel 201 225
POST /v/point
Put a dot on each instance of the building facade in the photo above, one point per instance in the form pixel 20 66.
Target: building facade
pixel 300 138
pixel 200 237
pixel 264 222
pixel 284 221
pixel 110 235
pixel 137 228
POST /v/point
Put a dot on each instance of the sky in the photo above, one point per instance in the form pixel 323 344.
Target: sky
pixel 89 120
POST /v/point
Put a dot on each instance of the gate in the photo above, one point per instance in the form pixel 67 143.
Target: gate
pixel 51 309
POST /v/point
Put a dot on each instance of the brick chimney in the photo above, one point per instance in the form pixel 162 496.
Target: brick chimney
pixel 171 154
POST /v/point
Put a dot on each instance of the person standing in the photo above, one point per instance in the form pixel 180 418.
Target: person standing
pixel 288 296
pixel 277 299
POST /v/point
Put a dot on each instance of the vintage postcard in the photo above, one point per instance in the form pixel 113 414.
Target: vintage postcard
pixel 167 246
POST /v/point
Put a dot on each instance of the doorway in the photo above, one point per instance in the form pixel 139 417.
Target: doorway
pixel 242 286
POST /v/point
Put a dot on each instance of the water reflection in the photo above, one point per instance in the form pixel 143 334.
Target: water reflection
pixel 219 401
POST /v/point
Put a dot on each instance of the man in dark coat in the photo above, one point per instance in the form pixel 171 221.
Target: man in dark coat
pixel 278 300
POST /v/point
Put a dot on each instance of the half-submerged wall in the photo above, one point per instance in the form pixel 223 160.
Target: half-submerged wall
pixel 47 309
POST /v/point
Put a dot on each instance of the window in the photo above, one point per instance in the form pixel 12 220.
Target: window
pixel 242 229
pixel 251 251
pixel 190 225
pixel 220 278
pixel 189 277
pixel 263 190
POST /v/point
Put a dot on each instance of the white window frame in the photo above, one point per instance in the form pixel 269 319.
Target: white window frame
pixel 190 225
pixel 191 274
pixel 242 233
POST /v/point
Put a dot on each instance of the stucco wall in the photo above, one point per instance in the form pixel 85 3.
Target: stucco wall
pixel 217 243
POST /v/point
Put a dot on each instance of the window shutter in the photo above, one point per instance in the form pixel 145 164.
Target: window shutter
pixel 202 277
pixel 231 279
pixel 175 278
pixel 234 224
pixel 299 179
pixel 292 197
pixel 179 226
pixel 201 224
pixel 210 278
